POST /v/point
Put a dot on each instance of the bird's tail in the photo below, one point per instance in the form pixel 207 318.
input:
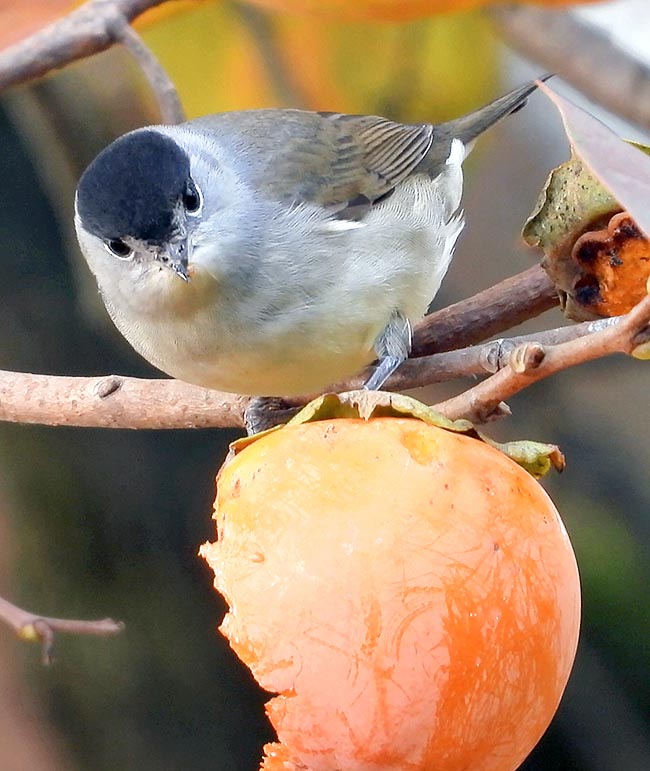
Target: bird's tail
pixel 468 127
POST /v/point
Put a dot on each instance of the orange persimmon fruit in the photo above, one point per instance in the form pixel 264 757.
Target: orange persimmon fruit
pixel 409 593
pixel 389 10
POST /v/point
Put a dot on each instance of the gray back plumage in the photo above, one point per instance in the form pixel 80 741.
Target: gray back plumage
pixel 345 163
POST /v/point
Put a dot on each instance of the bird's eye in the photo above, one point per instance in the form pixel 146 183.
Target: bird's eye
pixel 119 248
pixel 192 199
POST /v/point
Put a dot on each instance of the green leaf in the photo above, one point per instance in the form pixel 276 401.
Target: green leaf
pixel 604 175
pixel 572 201
pixel 537 458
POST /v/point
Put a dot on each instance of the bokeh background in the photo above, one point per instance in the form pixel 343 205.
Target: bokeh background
pixel 105 522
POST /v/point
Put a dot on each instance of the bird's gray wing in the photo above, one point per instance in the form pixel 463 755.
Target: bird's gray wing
pixel 370 157
pixel 344 163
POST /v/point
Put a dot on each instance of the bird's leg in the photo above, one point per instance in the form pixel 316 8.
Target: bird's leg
pixel 392 346
pixel 264 412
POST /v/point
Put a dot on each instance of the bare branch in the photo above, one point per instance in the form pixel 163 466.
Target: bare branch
pixel 35 628
pixel 487 314
pixel 171 109
pixel 485 359
pixel 121 402
pixel 547 34
pixel 115 402
pixel 533 362
pixel 92 28
pixel 86 31
pixel 260 25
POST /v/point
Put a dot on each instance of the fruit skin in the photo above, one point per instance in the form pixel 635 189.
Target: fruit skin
pixel 410 593
pixel 389 10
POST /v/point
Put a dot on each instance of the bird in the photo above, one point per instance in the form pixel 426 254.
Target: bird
pixel 273 252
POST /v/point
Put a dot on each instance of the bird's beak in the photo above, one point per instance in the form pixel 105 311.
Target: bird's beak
pixel 176 256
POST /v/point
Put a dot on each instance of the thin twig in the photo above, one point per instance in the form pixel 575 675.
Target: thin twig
pixel 529 364
pixel 547 34
pixel 477 360
pixel 487 314
pixel 120 402
pixel 35 628
pixel 94 27
pixel 113 401
pixel 171 109
pixel 260 25
pixel 484 359
pixel 83 32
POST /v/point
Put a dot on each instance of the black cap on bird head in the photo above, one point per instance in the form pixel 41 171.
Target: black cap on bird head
pixel 133 186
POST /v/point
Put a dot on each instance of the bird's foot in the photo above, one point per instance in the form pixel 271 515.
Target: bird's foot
pixel 264 412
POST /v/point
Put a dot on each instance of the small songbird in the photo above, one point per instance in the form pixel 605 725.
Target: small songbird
pixel 274 252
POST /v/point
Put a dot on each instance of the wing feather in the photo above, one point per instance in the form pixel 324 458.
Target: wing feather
pixel 342 162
